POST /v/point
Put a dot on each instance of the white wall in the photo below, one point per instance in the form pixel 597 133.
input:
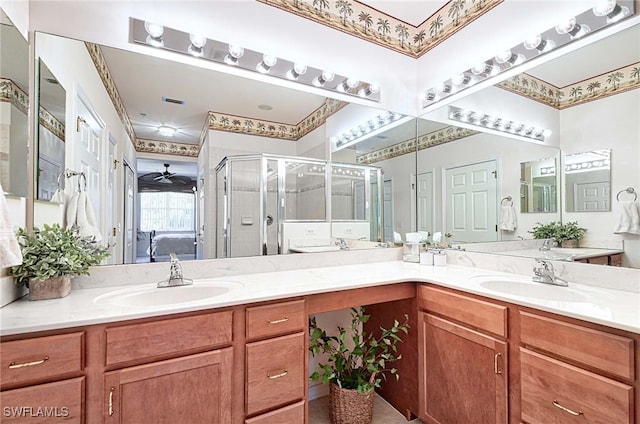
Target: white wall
pixel 612 123
pixel 482 147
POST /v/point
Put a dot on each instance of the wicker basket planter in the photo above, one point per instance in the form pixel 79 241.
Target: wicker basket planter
pixel 52 288
pixel 569 243
pixel 347 406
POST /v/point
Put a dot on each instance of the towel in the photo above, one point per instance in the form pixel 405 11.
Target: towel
pixel 80 214
pixel 508 220
pixel 628 218
pixel 58 197
pixel 10 254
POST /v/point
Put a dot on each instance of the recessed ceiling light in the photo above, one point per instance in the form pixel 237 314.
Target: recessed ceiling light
pixel 265 107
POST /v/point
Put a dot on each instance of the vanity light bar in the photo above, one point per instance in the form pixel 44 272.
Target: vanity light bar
pixel 161 37
pixel 483 120
pixel 604 14
pixel 377 124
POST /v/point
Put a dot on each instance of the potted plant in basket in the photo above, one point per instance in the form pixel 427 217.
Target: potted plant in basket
pixel 356 363
pixel 51 257
pixel 566 235
pixel 569 234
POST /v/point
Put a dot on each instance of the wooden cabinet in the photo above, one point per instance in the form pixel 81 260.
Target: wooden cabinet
pixel 463 374
pixel 190 389
pixel 570 372
pixel 37 383
pixel 275 375
pixel 167 371
pixel 556 392
pixel 41 359
pixel 60 401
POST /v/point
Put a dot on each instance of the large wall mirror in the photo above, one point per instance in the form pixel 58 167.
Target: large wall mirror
pixel 416 157
pixel 180 114
pixel 595 135
pixel 52 100
pixel 14 89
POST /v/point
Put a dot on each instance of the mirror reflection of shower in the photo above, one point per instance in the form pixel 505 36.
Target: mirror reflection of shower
pixel 270 204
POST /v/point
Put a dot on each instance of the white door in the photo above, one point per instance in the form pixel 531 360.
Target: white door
pixel 591 197
pixel 129 217
pixel 87 154
pixel 111 221
pixel 471 202
pixel 388 210
pixel 425 202
pixel 200 216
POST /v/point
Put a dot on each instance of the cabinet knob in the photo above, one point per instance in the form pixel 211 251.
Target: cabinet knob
pixel 279 321
pixel 111 400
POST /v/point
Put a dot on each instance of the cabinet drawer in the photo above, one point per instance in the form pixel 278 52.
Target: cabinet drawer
pixel 275 372
pixel 44 403
pixel 276 319
pixel 556 392
pixel 607 352
pixel 476 313
pixel 167 337
pixel 292 414
pixel 42 358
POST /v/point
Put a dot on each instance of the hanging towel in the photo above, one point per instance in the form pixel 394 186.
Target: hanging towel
pixel 80 213
pixel 508 220
pixel 628 218
pixel 10 254
pixel 58 197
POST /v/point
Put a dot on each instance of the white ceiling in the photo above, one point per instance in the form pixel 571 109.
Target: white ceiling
pixel 143 81
pixel 613 52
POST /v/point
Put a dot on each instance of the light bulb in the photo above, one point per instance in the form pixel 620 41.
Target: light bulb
pixel 235 53
pixel 324 78
pixel 197 40
pixel 298 69
pixel 268 61
pixel 154 30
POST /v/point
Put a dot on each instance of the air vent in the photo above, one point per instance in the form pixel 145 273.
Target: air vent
pixel 382 137
pixel 174 101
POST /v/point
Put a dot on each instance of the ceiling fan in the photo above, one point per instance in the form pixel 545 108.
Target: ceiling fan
pixel 165 181
pixel 165 177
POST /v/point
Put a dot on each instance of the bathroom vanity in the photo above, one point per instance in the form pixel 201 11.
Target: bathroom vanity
pixel 538 356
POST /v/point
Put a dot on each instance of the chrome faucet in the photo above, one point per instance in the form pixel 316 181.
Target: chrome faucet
pixel 175 274
pixel 342 243
pixel 545 274
pixel 546 245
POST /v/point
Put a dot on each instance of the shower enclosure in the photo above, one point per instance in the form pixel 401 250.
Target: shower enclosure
pixel 263 201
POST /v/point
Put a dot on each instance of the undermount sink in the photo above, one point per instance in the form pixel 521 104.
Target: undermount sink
pixel 525 287
pixel 150 295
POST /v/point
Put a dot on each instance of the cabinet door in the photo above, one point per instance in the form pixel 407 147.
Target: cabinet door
pixel 463 374
pixel 191 389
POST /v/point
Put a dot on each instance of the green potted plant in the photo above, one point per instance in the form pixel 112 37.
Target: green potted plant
pixel 569 234
pixel 356 363
pixel 566 235
pixel 51 257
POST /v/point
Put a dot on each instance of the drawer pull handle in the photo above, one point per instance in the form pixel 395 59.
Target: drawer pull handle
pixel 279 321
pixel 111 400
pixel 282 374
pixel 565 409
pixel 495 363
pixel 14 366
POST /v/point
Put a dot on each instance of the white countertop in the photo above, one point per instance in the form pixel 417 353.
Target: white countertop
pixel 613 308
pixel 561 253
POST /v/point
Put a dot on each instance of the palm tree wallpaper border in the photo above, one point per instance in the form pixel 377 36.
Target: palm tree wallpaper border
pixel 367 23
pixel 612 82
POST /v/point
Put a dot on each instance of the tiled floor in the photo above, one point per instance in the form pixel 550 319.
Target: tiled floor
pixel 383 413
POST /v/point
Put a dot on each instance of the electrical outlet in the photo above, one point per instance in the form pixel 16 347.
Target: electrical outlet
pixel 310 231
